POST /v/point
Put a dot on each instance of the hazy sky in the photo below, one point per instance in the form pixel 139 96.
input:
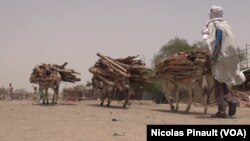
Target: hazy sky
pixel 57 31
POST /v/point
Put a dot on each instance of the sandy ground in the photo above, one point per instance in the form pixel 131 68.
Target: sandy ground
pixel 86 120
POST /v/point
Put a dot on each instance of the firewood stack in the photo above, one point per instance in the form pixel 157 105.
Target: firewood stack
pixel 183 65
pixel 48 72
pixel 122 70
pixel 243 97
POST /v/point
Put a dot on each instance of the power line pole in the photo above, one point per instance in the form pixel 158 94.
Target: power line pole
pixel 247 54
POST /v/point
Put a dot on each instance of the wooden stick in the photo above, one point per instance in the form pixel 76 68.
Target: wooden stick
pixel 105 80
pixel 112 62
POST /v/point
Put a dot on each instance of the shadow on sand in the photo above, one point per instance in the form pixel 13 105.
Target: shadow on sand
pixel 110 107
pixel 61 103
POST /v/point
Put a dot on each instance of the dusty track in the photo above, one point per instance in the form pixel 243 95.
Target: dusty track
pixel 86 120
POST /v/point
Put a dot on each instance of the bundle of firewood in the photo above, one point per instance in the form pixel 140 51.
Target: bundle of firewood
pixel 122 70
pixel 183 65
pixel 48 72
pixel 243 96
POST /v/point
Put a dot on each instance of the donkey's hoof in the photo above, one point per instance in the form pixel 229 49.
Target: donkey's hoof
pixel 205 111
pixel 172 108
pixel 187 110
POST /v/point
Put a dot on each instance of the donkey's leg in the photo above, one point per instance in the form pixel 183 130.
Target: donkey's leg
pixel 205 97
pixel 55 96
pixel 109 101
pixel 53 99
pixel 57 92
pixel 169 102
pixel 125 102
pixel 102 96
pixel 108 96
pixel 189 98
pixel 102 101
pixel 208 87
pixel 166 90
pixel 126 98
pixel 41 95
pixel 46 96
pixel 44 100
pixel 177 96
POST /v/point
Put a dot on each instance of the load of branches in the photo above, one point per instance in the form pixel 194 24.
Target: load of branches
pixel 183 65
pixel 243 97
pixel 48 72
pixel 127 71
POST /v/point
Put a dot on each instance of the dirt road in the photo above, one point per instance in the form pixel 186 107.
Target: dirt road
pixel 86 120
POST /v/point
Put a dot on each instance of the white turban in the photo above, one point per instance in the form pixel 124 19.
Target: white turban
pixel 216 12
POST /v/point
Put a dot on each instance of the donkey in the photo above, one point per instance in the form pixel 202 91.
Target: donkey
pixel 117 91
pixel 172 88
pixel 44 84
pixel 106 92
pixel 122 91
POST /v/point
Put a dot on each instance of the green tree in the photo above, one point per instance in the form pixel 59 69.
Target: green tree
pixel 3 90
pixel 199 44
pixel 21 90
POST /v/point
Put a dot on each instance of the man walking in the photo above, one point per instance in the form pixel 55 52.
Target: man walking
pixel 225 60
